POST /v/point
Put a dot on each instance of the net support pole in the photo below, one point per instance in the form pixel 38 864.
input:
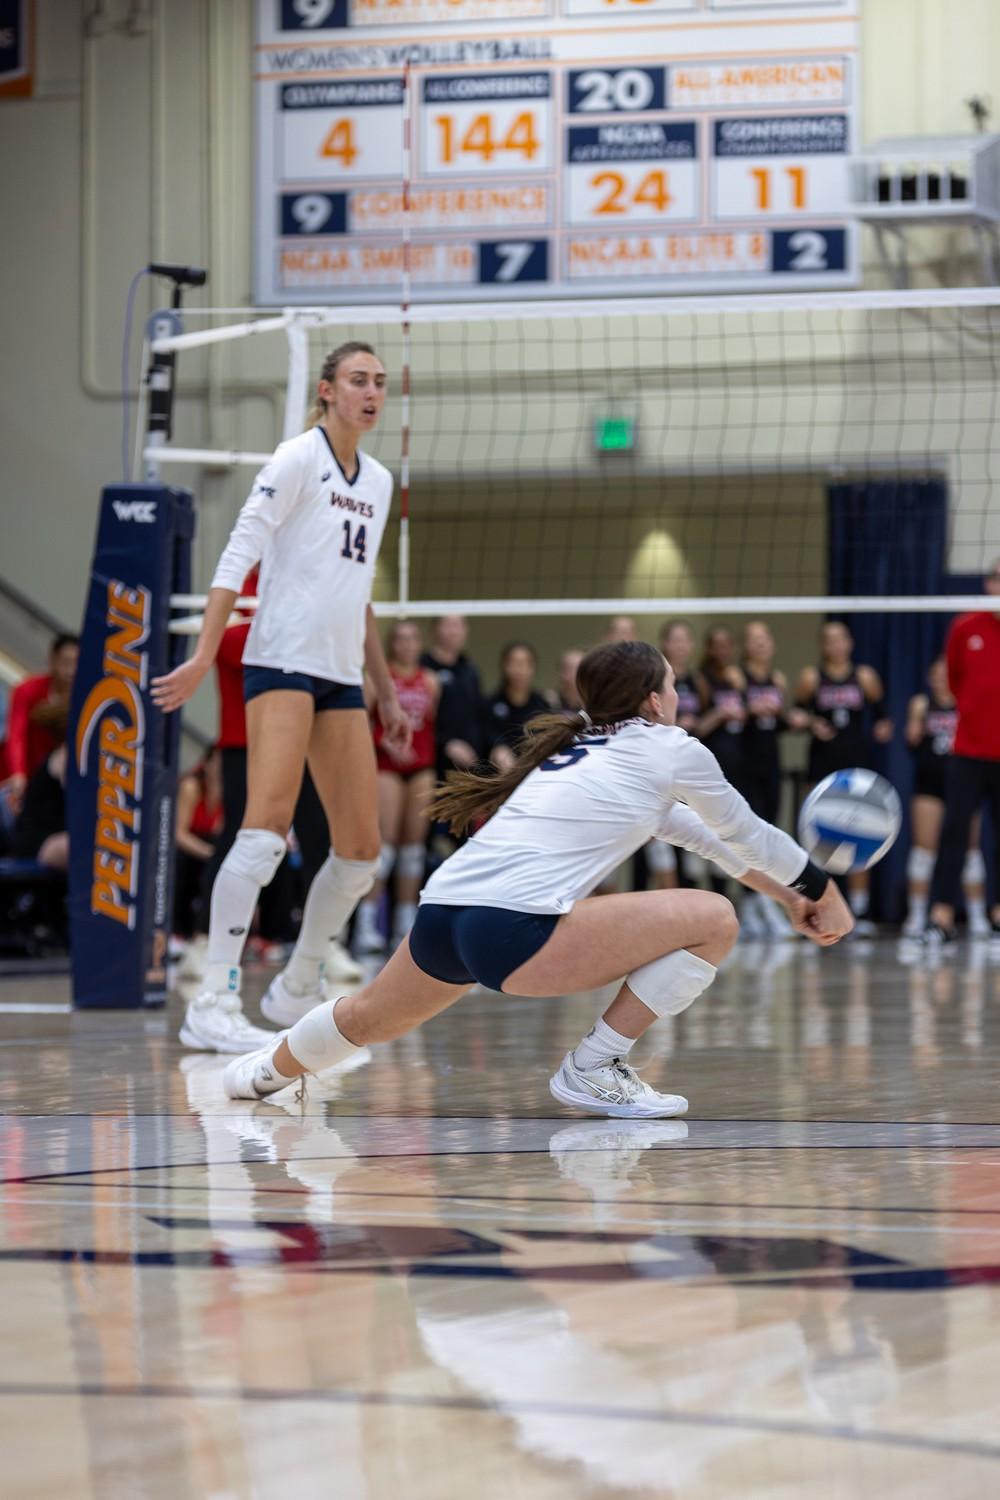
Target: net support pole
pixel 121 771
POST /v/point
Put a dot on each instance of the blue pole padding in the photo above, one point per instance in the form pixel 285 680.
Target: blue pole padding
pixel 121 779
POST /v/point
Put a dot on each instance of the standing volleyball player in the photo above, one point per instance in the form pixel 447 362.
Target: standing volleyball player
pixel 510 908
pixel 847 716
pixel 314 521
pixel 931 720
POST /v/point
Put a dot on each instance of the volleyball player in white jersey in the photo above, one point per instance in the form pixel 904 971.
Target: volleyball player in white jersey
pixel 510 909
pixel 314 520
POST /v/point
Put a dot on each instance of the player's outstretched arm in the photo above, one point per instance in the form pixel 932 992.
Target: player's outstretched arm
pixel 183 682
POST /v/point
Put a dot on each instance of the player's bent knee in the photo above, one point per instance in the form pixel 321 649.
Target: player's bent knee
pixel 670 984
pixel 256 854
pixel 386 858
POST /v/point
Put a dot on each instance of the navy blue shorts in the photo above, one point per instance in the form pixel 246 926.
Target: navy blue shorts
pixel 326 695
pixel 476 944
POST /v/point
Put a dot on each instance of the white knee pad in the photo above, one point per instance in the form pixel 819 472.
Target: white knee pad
pixel 920 864
pixel 670 984
pixel 660 857
pixel 256 854
pixel 352 878
pixel 410 861
pixel 315 1040
pixel 974 869
pixel 386 860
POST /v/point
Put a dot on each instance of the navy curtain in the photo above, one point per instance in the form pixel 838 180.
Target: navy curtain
pixel 890 537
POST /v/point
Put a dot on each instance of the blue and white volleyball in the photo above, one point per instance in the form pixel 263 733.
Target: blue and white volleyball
pixel 850 820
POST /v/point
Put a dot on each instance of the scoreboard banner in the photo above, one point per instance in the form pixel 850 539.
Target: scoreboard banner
pixel 559 147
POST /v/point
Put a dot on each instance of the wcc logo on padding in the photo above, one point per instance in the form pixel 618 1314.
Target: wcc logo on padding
pixel 111 729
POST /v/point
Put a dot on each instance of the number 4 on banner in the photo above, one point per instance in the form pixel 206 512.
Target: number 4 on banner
pixel 339 143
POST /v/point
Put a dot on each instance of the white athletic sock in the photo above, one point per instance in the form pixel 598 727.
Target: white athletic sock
pixel 600 1045
pixel 336 889
pixel 316 1040
pixel 975 909
pixel 367 923
pixel 858 902
pixel 917 912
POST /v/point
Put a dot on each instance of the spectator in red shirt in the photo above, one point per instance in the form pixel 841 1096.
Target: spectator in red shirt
pixel 36 721
pixel 973 774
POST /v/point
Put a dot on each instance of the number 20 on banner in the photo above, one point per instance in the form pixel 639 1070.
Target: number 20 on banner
pixel 467 139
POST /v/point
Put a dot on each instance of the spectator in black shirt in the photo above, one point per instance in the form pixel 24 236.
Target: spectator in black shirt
pixel 514 703
pixel 459 728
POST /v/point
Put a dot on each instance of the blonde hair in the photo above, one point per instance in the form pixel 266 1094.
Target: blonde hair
pixel 328 372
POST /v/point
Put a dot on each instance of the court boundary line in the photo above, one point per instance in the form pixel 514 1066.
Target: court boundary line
pixel 840 1432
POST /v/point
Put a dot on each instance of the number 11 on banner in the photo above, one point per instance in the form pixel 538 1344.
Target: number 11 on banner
pixel 745 188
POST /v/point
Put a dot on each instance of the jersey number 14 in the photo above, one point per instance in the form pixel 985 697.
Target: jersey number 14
pixel 353 548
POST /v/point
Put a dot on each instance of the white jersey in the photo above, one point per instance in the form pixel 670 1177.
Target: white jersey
pixel 578 815
pixel 316 535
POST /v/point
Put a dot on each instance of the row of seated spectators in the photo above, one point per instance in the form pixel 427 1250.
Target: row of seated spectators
pixel 738 702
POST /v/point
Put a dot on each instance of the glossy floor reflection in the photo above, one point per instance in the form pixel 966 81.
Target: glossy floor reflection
pixel 427 1280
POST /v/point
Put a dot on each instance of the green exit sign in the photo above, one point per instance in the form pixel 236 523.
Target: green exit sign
pixel 614 434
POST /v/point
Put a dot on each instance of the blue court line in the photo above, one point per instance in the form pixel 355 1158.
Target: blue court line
pixel 415 1156
pixel 841 1432
pixel 504 1198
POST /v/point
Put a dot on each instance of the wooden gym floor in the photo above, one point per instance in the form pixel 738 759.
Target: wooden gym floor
pixel 427 1280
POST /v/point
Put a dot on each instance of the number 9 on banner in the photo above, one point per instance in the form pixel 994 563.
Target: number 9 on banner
pixel 308 15
pixel 314 214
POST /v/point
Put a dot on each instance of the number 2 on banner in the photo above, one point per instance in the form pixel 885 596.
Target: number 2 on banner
pixel 481 138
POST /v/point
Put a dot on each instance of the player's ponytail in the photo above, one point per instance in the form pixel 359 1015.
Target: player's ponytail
pixel 613 682
pixel 354 346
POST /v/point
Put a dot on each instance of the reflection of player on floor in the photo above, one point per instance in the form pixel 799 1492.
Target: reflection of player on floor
pixel 507 911
pixel 315 519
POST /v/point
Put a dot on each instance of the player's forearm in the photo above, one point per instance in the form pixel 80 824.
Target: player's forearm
pixel 217 612
pixel 756 880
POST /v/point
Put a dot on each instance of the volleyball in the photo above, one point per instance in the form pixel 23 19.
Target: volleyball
pixel 850 820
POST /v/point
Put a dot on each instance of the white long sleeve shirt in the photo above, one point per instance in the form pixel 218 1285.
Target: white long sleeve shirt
pixel 316 535
pixel 575 818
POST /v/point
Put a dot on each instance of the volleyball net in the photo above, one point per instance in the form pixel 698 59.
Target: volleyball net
pixel 779 454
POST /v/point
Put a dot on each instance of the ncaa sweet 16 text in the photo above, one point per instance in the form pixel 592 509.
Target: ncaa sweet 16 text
pixel 585 146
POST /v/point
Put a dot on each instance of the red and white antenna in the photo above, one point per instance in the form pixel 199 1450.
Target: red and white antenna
pixel 404 458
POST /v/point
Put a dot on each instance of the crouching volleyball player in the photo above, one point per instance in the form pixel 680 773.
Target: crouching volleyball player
pixel 510 910
pixel 314 520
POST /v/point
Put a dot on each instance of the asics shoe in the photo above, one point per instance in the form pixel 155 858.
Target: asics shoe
pixel 614 1089
pixel 254 1076
pixel 216 1023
